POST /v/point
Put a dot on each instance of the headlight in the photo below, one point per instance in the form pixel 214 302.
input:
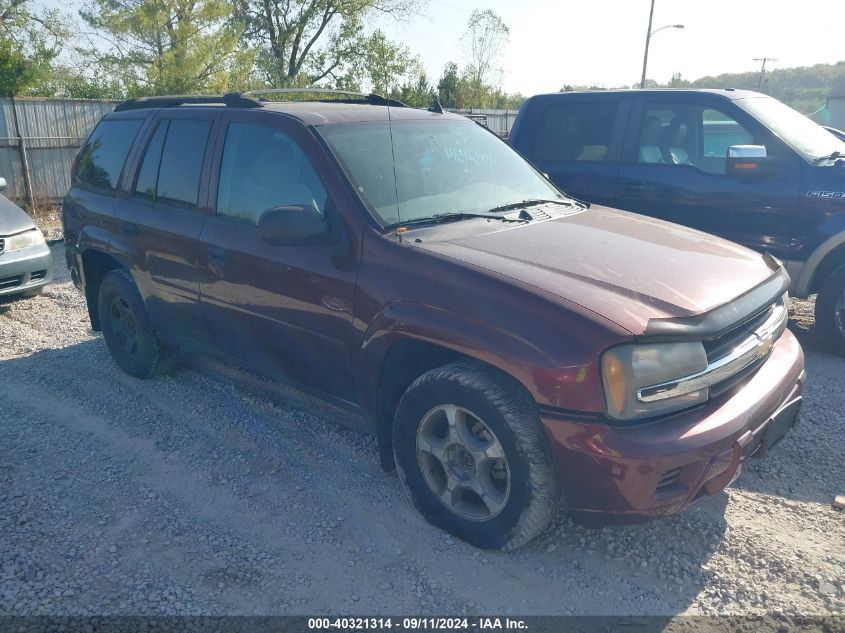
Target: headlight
pixel 24 240
pixel 629 368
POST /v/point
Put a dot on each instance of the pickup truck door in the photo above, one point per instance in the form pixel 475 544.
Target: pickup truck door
pixel 673 168
pixel 577 143
pixel 281 309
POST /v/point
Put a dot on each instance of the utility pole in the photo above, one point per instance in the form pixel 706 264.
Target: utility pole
pixel 647 40
pixel 763 61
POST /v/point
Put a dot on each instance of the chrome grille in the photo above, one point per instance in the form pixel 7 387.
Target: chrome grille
pixel 738 357
pixel 2 245
pixel 721 345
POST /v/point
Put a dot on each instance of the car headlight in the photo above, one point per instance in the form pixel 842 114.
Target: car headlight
pixel 24 240
pixel 628 368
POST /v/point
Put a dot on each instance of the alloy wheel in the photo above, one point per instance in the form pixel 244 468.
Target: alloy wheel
pixel 123 325
pixel 463 463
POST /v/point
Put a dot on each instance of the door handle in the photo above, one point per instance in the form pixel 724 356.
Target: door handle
pixel 634 188
pixel 130 229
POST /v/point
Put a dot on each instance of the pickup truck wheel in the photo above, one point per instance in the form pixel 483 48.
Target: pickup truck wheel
pixel 473 458
pixel 830 309
pixel 131 339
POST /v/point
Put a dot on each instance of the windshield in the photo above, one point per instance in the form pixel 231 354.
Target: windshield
pixel 808 138
pixel 410 170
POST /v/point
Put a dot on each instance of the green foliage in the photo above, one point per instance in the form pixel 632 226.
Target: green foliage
pixel 303 42
pixel 29 42
pixel 484 42
pixel 805 88
pixel 164 46
pixel 386 63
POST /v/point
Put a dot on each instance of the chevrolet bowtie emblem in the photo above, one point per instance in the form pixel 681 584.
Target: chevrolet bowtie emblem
pixel 765 346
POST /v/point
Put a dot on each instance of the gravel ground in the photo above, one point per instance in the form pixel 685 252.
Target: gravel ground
pixel 187 495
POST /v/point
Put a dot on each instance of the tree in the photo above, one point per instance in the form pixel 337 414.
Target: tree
pixel 164 46
pixel 29 42
pixel 387 63
pixel 484 42
pixel 417 93
pixel 303 42
pixel 449 87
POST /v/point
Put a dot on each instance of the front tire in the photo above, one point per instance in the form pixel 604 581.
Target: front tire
pixel 130 337
pixel 830 310
pixel 473 457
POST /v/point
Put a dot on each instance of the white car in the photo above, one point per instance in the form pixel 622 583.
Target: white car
pixel 26 264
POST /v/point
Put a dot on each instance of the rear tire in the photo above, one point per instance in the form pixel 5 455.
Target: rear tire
pixel 830 310
pixel 473 457
pixel 130 337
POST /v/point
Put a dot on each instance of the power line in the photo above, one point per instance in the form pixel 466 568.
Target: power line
pixel 763 69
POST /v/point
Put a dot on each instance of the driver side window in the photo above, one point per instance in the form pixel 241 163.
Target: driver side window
pixel 688 134
pixel 262 167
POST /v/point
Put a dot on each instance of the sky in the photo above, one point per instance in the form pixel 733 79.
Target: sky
pixel 600 42
pixel 557 42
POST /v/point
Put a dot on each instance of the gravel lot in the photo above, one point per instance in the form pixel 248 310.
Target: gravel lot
pixel 187 495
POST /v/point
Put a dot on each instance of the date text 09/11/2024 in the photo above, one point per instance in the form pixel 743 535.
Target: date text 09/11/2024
pixel 414 624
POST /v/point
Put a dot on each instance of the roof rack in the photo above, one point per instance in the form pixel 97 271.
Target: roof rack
pixel 232 99
pixel 248 99
pixel 371 98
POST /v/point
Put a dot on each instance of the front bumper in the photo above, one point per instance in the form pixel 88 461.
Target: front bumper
pixel 612 474
pixel 25 269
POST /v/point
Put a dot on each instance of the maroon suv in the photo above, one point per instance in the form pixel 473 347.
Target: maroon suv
pixel 517 350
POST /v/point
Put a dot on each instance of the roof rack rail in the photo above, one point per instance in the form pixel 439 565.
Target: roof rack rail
pixel 232 99
pixel 371 98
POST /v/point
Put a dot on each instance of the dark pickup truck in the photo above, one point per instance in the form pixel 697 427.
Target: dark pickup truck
pixel 734 163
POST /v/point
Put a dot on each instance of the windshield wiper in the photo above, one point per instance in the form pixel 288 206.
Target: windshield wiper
pixel 833 156
pixel 533 203
pixel 452 217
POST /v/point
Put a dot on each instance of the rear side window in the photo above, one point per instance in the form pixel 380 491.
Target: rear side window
pixel 576 131
pixel 263 168
pixel 101 159
pixel 181 162
pixel 145 186
pixel 172 165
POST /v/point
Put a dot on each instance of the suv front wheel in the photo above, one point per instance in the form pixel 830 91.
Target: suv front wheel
pixel 830 309
pixel 130 337
pixel 472 455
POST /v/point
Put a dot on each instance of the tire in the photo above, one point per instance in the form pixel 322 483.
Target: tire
pixel 521 489
pixel 830 310
pixel 130 337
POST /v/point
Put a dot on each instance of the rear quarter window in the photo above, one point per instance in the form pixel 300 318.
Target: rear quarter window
pixel 102 158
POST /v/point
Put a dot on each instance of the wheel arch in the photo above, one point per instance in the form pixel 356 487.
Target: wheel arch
pixel 95 264
pixel 410 339
pixel 828 256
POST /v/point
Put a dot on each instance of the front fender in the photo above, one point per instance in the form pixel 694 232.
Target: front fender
pixel 572 384
pixel 832 237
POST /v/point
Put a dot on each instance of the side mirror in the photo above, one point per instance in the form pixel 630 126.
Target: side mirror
pixel 748 161
pixel 3 184
pixel 291 225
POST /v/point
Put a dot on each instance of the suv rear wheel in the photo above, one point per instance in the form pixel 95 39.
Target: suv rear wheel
pixel 472 455
pixel 131 339
pixel 830 309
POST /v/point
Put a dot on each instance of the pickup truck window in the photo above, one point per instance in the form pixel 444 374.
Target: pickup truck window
pixel 101 160
pixel 689 134
pixel 808 138
pixel 263 168
pixel 576 131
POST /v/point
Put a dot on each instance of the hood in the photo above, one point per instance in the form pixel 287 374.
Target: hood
pixel 626 267
pixel 13 219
